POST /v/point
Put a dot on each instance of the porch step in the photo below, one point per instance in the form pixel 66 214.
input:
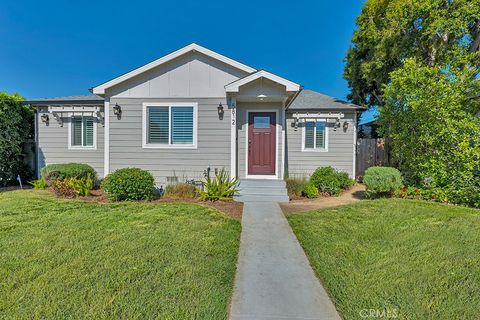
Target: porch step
pixel 262 190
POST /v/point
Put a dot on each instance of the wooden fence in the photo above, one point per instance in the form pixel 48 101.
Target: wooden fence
pixel 370 153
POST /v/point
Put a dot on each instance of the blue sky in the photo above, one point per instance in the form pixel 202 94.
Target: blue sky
pixel 56 48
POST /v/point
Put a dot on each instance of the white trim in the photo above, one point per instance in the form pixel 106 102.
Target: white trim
pixel 75 109
pixel 277 126
pixel 354 146
pixel 234 86
pixel 37 154
pixel 100 89
pixel 146 145
pixel 233 138
pixel 95 123
pixel 106 146
pixel 284 126
pixel 325 149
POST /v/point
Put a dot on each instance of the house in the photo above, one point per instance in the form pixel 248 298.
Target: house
pixel 195 110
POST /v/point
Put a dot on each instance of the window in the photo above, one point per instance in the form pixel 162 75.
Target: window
pixel 169 125
pixel 82 132
pixel 315 135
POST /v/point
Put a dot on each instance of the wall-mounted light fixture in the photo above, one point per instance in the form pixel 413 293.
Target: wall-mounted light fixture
pixel 220 111
pixel 45 119
pixel 117 110
pixel 345 126
pixel 336 125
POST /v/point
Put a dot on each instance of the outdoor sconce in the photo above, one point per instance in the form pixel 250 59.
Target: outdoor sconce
pixel 117 110
pixel 336 125
pixel 345 126
pixel 220 111
pixel 45 119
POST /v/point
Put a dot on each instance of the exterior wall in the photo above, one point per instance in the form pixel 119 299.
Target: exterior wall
pixel 192 75
pixel 340 154
pixel 213 149
pixel 242 131
pixel 53 144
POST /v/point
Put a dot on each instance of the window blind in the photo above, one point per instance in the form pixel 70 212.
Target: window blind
pixel 309 135
pixel 182 125
pixel 158 120
pixel 77 131
pixel 88 131
pixel 320 135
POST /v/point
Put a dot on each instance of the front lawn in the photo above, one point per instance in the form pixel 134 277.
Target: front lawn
pixel 64 259
pixel 409 259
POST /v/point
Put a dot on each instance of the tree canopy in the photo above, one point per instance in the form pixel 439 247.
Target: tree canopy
pixel 435 32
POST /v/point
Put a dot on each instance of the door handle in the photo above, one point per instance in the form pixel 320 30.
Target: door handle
pixel 249 145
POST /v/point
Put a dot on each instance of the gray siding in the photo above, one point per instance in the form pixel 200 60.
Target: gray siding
pixel 341 146
pixel 53 145
pixel 242 130
pixel 213 141
pixel 192 75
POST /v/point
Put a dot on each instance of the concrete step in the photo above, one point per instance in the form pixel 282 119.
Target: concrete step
pixel 261 198
pixel 264 191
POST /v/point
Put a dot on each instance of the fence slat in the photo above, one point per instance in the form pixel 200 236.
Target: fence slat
pixel 370 153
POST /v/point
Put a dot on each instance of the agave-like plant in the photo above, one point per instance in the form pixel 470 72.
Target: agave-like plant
pixel 222 187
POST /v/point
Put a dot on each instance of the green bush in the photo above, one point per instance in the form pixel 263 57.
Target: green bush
pixel 82 186
pixel 295 186
pixel 330 181
pixel 181 191
pixel 219 188
pixel 68 170
pixel 382 181
pixel 16 125
pixel 63 188
pixel 129 184
pixel 39 184
pixel 310 190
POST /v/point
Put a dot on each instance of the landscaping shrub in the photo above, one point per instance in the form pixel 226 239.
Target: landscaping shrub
pixel 181 191
pixel 68 170
pixel 219 188
pixel 63 188
pixel 39 184
pixel 16 125
pixel 129 184
pixel 295 186
pixel 330 181
pixel 82 186
pixel 310 190
pixel 382 181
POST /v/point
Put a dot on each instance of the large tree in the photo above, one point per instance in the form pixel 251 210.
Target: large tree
pixel 16 124
pixel 435 32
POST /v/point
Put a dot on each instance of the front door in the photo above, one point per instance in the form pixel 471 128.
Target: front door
pixel 261 143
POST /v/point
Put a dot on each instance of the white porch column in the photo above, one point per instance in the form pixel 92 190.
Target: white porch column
pixel 232 105
pixel 106 133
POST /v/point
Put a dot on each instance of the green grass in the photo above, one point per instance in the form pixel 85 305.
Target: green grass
pixel 64 259
pixel 413 259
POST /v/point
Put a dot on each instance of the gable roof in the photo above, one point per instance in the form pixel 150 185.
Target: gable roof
pixel 72 100
pixel 311 100
pixel 235 85
pixel 100 89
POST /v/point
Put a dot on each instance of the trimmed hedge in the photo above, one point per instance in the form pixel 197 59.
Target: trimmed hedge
pixel 330 181
pixel 129 184
pixel 63 171
pixel 382 181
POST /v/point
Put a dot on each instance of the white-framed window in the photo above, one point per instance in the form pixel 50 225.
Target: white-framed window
pixel 82 131
pixel 170 125
pixel 315 135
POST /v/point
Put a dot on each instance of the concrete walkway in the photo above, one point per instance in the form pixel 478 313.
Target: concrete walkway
pixel 274 279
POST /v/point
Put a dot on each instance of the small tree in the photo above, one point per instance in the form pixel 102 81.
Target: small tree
pixel 16 124
pixel 433 123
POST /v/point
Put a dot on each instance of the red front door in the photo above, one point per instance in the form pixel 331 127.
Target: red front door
pixel 261 143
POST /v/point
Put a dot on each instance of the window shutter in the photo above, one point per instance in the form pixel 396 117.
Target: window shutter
pixel 320 135
pixel 76 130
pixel 309 135
pixel 88 131
pixel 182 125
pixel 158 119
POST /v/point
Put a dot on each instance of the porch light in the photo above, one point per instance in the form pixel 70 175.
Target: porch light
pixel 336 125
pixel 44 118
pixel 345 126
pixel 117 110
pixel 220 111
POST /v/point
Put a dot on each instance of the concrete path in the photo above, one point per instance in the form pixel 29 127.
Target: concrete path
pixel 274 279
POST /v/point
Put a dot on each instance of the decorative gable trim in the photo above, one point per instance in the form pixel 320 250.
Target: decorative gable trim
pixel 289 85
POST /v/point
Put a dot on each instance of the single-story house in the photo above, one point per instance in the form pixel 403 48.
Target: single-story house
pixel 193 111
